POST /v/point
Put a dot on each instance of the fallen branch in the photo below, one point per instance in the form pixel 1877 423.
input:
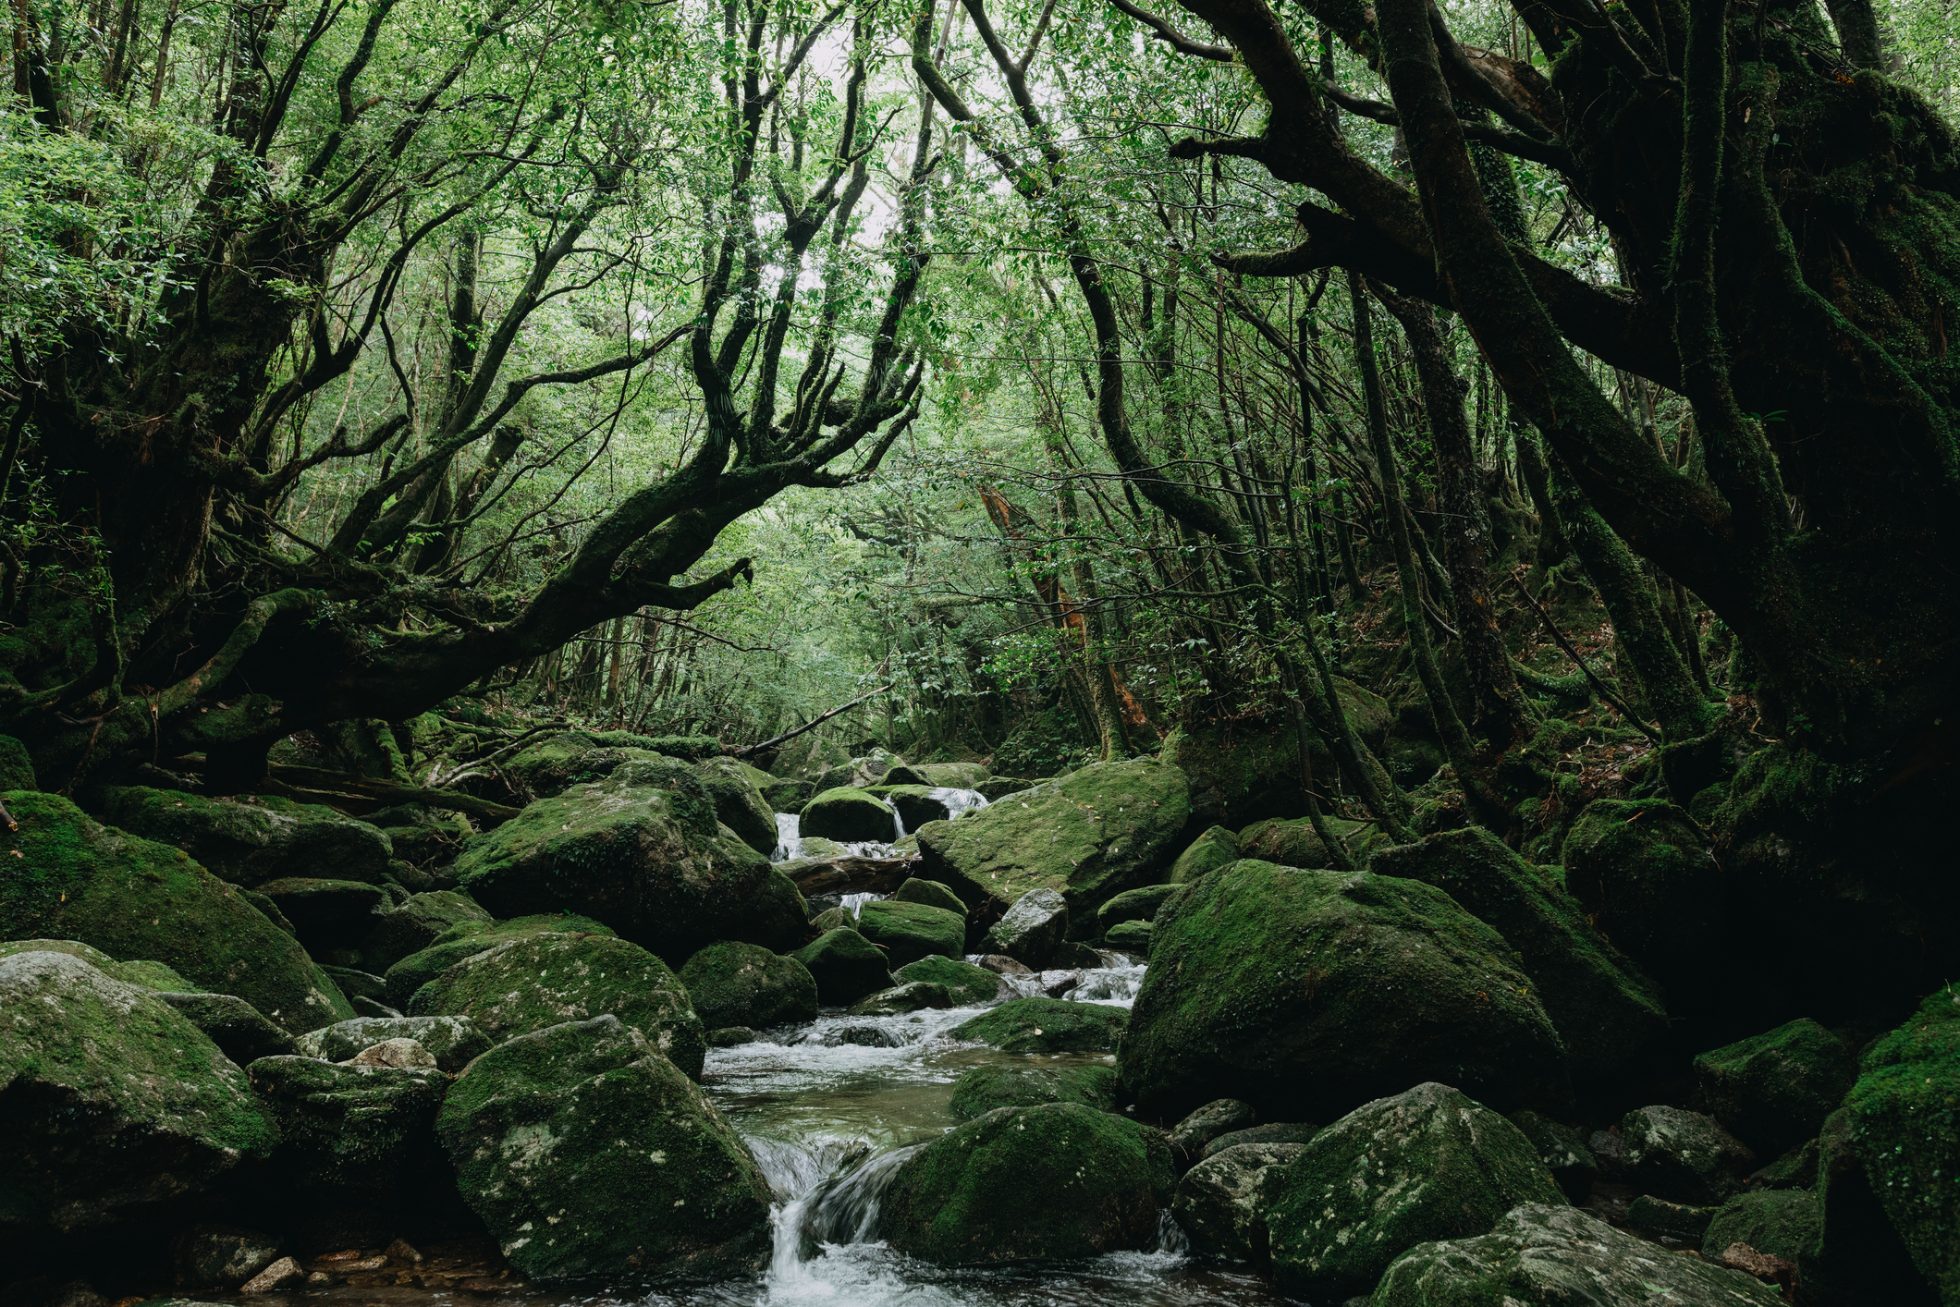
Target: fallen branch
pixel 1599 686
pixel 750 750
pixel 320 785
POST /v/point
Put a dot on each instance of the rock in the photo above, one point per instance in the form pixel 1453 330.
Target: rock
pixel 1274 1132
pixel 995 788
pixel 112 1100
pixel 1649 881
pixel 543 980
pixel 915 804
pixel 1289 842
pixel 931 893
pixel 1657 1218
pixel 643 852
pixel 738 801
pixel 787 793
pixel 981 1089
pixel 735 984
pixel 415 924
pixel 1562 1149
pixel 75 879
pixel 1889 1158
pixel 1131 937
pixel 1426 1164
pixel 845 965
pixel 396 1054
pixel 859 772
pixel 1543 1255
pixel 358 984
pixel 326 914
pixel 1775 1089
pixel 1046 1025
pixel 1609 1015
pixel 1244 770
pixel 1058 1181
pixel 1215 848
pixel 938 775
pixel 731 1036
pixel 239 1030
pixel 1787 1224
pixel 1308 992
pixel 16 766
pixel 1221 1202
pixel 917 996
pixel 1674 1153
pixel 552 765
pixel 851 815
pixel 1218 1117
pixel 587 1153
pixel 468 938
pixel 1796 1169
pixel 1090 835
pixel 367 1007
pixel 252 839
pixel 966 983
pixel 221 1256
pixel 280 1276
pixel 1032 929
pixel 1139 904
pixel 1002 965
pixel 910 931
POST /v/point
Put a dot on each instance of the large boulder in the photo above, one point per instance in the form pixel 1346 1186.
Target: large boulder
pixel 241 1032
pixel 1541 1254
pixel 845 965
pixel 1680 1155
pixel 642 851
pixel 1425 1164
pixel 252 839
pixel 918 889
pixel 555 763
pixel 738 800
pixel 849 814
pixel 1215 847
pixel 1133 905
pixel 1609 1014
pixel 735 984
pixel 588 1154
pixel 72 878
pixel 910 931
pixel 110 1101
pixel 1033 930
pixel 468 938
pixel 544 980
pixel 963 981
pixel 1649 880
pixel 1775 1089
pixel 1046 1025
pixel 326 914
pixel 1221 1203
pixel 1787 1224
pixel 981 1089
pixel 1021 1184
pixel 938 775
pixel 415 923
pixel 1090 835
pixel 1291 842
pixel 1309 992
pixel 454 1042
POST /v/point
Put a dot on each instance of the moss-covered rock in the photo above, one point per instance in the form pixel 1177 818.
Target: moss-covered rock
pixel 1309 992
pixel 252 839
pixel 1046 1025
pixel 845 965
pixel 965 982
pixel 1222 1202
pixel 1033 929
pixel 112 1100
pixel 144 974
pixel 1290 842
pixel 1544 1254
pixel 1029 1184
pixel 1775 1089
pixel 910 931
pixel 1609 1014
pixel 1673 1153
pixel 1273 1132
pixel 16 767
pixel 981 1089
pixel 1215 848
pixel 739 803
pixel 931 893
pixel 1787 1224
pixel 468 938
pixel 76 879
pixel 915 804
pixel 415 923
pixel 911 996
pixel 849 814
pixel 587 1153
pixel 1130 937
pixel 1203 1124
pixel 735 984
pixel 1426 1164
pixel 454 1042
pixel 241 1032
pixel 643 852
pixel 1650 882
pixel 557 762
pixel 1562 1148
pixel 1138 904
pixel 326 914
pixel 939 775
pixel 547 979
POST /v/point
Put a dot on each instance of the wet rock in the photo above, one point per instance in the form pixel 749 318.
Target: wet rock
pixel 865 1036
pixel 910 931
pixel 280 1276
pixel 1308 992
pixel 736 790
pixel 917 996
pixel 1131 937
pixel 1562 1149
pixel 1221 1202
pixel 965 982
pixel 252 839
pixel 981 1089
pixel 931 893
pixel 1674 1153
pixel 731 1036
pixel 851 815
pixel 1657 1218
pixel 1215 848
pixel 1424 1165
pixel 845 965
pixel 735 984
pixel 1218 1117
pixel 1787 1224
pixel 1775 1089
pixel 1547 1254
pixel 452 1041
pixel 468 938
pixel 1649 880
pixel 1133 905
pixel 1046 1025
pixel 1273 1132
pixel 1059 1181
pixel 1002 965
pixel 1033 929
pixel 587 1153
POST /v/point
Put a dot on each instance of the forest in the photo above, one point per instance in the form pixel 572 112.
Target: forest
pixel 979 653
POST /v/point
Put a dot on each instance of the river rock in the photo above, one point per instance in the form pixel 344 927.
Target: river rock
pixel 981 1089
pixel 736 984
pixel 131 898
pixel 1556 1254
pixel 1138 904
pixel 1089 835
pixel 1609 1015
pixel 1775 1089
pixel 1046 1025
pixel 239 1030
pixel 326 914
pixel 543 980
pixel 1033 929
pixel 914 996
pixel 1131 937
pixel 1649 880
pixel 452 1041
pixel 1273 1132
pixel 1221 1202
pixel 918 889
pixel 468 938
pixel 851 815
pixel 915 804
pixel 221 1256
pixel 252 839
pixel 1787 1224
pixel 113 1100
pixel 739 804
pixel 1674 1153
pixel 1058 1181
pixel 1426 1164
pixel 965 982
pixel 910 931
pixel 845 965
pixel 1218 1117
pixel 587 1153
pixel 1215 848
pixel 1308 992
pixel 416 923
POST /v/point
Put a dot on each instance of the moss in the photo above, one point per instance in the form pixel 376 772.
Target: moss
pixel 846 966
pixel 1221 1202
pixel 1785 1223
pixel 1215 848
pixel 454 1042
pixel 1654 888
pixel 252 839
pixel 145 975
pixel 16 766
pixel 735 984
pixel 416 923
pixel 1029 1184
pixel 557 762
pixel 1046 1025
pixel 965 982
pixel 1775 1089
pixel 1134 905
pixel 910 931
pixel 1290 843
pixel 981 1089
pixel 1130 937
pixel 131 898
pixel 912 996
pixel 1273 1132
pixel 739 804
pixel 939 775
pixel 469 937
pixel 849 814
pixel 931 893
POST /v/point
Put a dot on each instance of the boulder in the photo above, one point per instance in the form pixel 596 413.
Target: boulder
pixel 981 1089
pixel 1090 835
pixel 910 931
pixel 1648 879
pixel 16 766
pixel 939 775
pixel 586 1153
pixel 1787 1224
pixel 1426 1164
pixel 1660 1218
pixel 966 983
pixel 543 980
pixel 1033 929
pixel 326 914
pixel 1609 1014
pixel 1674 1153
pixel 739 802
pixel 1139 904
pixel 1221 1202
pixel 1058 1181
pixel 1775 1089
pixel 845 965
pixel 931 893
pixel 1273 1132
pixel 252 839
pixel 1046 1025
pixel 913 996
pixel 467 939
pixel 131 898
pixel 454 1042
pixel 143 974
pixel 851 815
pixel 557 762
pixel 1308 992
pixel 735 984
pixel 1215 848
pixel 1218 1117
pixel 221 1257
pixel 416 923
pixel 1545 1254
pixel 241 1032
pixel 915 804
pixel 113 1101
pixel 1291 842
pixel 1562 1149
pixel 643 852
pixel 1131 937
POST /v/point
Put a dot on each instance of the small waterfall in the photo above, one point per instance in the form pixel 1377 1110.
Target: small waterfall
pixel 827 1189
pixel 958 802
pixel 789 837
pixel 854 903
